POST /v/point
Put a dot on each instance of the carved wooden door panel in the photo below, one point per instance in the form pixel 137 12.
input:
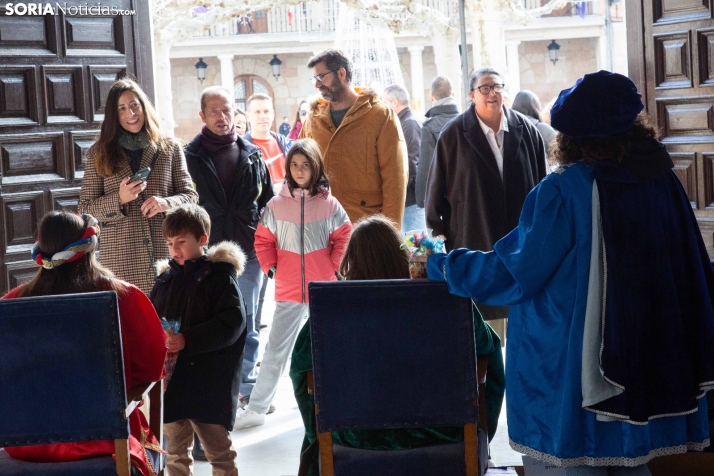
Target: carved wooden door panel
pixel 55 73
pixel 671 59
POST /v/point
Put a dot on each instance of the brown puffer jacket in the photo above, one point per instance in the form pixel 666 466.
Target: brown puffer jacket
pixel 365 158
pixel 129 243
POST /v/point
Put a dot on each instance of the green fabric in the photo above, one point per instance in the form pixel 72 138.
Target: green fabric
pixel 487 343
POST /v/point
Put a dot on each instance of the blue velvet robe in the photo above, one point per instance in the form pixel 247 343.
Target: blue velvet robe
pixel 541 271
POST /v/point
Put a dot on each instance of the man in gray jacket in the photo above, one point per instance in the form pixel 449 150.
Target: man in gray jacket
pixel 443 109
pixel 397 98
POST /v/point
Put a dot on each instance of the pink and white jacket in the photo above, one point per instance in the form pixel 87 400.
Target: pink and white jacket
pixel 304 237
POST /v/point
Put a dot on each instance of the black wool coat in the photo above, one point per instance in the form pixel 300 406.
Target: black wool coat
pixel 466 200
pixel 411 128
pixel 233 218
pixel 204 293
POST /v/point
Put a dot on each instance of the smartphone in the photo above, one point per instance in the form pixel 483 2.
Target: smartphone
pixel 141 175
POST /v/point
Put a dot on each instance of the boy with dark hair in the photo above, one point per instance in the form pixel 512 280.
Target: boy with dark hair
pixel 201 291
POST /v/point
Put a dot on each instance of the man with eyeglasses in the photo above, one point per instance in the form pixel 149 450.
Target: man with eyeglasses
pixel 361 142
pixel 486 161
pixel 233 185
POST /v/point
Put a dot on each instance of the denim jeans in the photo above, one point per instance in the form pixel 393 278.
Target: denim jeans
pixel 249 283
pixel 413 219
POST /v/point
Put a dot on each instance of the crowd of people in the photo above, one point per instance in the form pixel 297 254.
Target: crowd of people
pixel 597 263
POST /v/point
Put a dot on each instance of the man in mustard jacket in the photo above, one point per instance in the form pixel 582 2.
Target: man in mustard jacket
pixel 361 142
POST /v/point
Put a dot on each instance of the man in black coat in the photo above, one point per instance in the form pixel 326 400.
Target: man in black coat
pixel 397 98
pixel 486 161
pixel 233 185
pixel 443 109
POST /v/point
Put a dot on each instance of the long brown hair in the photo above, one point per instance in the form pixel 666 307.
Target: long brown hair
pixel 311 151
pixel 297 114
pixel 108 153
pixel 375 251
pixel 566 150
pixel 55 231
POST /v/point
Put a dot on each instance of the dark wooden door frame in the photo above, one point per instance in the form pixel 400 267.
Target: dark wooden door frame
pixel 55 73
pixel 671 60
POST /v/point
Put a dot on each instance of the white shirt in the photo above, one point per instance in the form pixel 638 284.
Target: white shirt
pixel 495 139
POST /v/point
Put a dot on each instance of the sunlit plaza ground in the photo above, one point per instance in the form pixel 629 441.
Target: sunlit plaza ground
pixel 273 449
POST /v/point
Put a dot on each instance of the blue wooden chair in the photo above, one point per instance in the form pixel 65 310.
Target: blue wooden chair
pixel 394 354
pixel 62 378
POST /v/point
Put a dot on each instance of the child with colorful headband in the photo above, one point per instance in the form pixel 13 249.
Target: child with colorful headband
pixel 65 250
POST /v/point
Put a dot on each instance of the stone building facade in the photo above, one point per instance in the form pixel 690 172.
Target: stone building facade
pixel 584 48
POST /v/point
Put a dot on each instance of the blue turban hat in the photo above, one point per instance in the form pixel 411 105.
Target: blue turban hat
pixel 599 104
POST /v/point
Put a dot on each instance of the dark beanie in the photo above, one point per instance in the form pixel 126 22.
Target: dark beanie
pixel 599 104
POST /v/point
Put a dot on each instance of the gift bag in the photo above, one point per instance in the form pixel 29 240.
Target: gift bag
pixel 421 243
pixel 170 328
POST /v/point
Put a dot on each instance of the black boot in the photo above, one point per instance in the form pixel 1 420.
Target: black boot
pixel 198 453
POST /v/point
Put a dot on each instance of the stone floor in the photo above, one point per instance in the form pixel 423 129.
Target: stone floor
pixel 273 449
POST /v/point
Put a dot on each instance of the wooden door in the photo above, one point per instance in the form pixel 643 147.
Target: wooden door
pixel 671 59
pixel 55 73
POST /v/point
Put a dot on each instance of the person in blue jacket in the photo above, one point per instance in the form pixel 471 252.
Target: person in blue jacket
pixel 611 325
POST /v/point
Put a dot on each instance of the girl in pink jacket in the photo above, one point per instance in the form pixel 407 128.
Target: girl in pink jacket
pixel 301 238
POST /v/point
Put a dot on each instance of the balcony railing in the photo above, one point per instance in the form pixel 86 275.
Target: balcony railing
pixel 581 8
pixel 321 17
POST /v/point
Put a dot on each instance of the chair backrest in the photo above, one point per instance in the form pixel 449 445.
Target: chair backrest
pixel 61 370
pixel 392 354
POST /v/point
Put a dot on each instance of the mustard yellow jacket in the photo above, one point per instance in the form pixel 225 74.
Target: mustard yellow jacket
pixel 365 158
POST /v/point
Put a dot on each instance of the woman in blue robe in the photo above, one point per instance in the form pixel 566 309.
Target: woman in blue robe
pixel 611 327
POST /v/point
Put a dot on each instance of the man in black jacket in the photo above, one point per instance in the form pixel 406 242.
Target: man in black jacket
pixel 397 98
pixel 486 162
pixel 443 109
pixel 233 185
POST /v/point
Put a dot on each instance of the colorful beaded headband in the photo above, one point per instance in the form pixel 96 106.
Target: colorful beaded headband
pixel 73 251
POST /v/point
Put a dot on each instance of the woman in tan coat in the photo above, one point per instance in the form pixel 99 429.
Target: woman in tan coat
pixel 131 212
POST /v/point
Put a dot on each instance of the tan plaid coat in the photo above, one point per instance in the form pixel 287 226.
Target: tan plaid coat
pixel 129 243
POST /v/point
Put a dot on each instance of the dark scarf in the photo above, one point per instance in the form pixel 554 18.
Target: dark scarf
pixel 134 145
pixel 214 143
pixel 658 332
pixel 131 141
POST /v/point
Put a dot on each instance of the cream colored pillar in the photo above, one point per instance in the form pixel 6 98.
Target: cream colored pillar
pixel 417 73
pixel 164 97
pixel 514 68
pixel 226 72
pixel 601 53
pixel 489 40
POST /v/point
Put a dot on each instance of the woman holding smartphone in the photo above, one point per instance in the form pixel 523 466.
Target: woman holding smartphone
pixel 127 199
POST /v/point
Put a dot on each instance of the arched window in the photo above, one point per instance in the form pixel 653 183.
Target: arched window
pixel 248 84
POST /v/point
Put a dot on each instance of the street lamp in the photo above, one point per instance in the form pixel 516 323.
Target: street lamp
pixel 201 69
pixel 275 65
pixel 553 48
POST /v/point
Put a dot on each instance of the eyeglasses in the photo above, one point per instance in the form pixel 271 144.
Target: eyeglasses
pixel 486 90
pixel 302 113
pixel 319 78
